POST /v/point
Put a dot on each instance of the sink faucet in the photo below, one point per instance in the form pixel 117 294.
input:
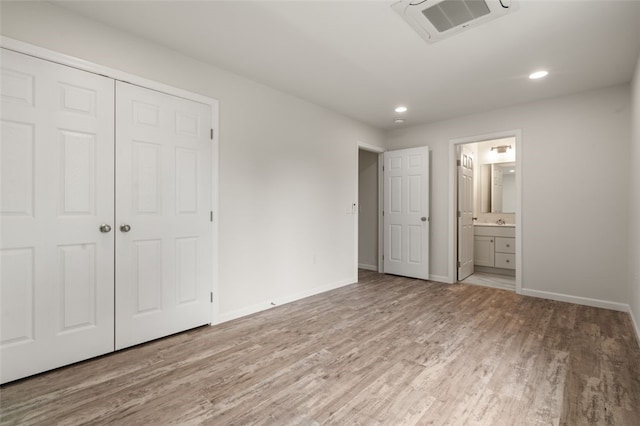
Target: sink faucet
pixel 500 221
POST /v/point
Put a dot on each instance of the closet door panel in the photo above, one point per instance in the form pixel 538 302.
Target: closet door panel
pixel 56 155
pixel 163 185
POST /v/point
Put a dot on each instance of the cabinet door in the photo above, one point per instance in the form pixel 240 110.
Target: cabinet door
pixel 164 232
pixel 56 190
pixel 483 250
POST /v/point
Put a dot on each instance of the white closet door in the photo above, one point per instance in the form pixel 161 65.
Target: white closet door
pixel 56 155
pixel 163 257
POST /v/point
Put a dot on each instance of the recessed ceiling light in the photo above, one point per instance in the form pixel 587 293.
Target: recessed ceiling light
pixel 538 74
pixel 401 109
pixel 398 121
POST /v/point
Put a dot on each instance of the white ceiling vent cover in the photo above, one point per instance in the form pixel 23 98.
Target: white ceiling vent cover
pixel 435 20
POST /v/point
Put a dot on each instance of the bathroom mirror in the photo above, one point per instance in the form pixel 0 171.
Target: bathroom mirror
pixel 498 188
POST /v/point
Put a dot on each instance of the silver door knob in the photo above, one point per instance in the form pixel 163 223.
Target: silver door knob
pixel 104 228
pixel 125 228
pixel 424 219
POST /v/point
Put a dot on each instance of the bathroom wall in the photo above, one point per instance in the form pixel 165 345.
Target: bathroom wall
pixel 483 155
pixel 509 218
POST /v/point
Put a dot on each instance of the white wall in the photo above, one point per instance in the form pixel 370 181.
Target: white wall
pixel 634 203
pixel 368 210
pixel 287 167
pixel 574 177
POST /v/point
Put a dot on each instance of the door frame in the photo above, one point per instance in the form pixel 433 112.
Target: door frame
pixel 452 238
pixel 81 64
pixel 380 151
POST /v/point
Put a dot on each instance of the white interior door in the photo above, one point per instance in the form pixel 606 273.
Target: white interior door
pixel 406 212
pixel 465 212
pixel 56 183
pixel 164 232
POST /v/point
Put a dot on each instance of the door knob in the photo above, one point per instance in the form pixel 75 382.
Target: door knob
pixel 104 228
pixel 424 219
pixel 125 228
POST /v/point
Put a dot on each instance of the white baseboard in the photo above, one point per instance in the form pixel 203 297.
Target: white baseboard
pixel 242 312
pixel 596 303
pixel 439 278
pixel 368 267
pixel 263 306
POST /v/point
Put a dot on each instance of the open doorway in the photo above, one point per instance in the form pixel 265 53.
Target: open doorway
pixel 393 211
pixel 369 199
pixel 485 228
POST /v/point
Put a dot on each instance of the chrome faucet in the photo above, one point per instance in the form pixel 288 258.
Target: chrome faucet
pixel 500 221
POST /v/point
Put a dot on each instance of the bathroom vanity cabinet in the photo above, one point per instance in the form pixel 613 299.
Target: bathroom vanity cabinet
pixel 495 247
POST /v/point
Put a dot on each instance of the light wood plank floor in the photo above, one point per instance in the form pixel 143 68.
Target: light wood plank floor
pixel 504 282
pixel 388 350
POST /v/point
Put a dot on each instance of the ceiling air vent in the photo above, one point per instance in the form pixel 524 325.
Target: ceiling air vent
pixel 438 19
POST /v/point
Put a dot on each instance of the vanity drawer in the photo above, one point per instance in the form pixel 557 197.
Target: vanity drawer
pixel 505 260
pixel 505 245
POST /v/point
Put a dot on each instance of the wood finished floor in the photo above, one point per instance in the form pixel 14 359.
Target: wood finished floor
pixel 504 282
pixel 388 350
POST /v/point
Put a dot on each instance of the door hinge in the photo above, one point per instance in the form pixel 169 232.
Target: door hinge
pixel 459 214
pixel 211 134
pixel 211 297
pixel 382 212
pixel 211 216
pixel 458 263
pixel 458 163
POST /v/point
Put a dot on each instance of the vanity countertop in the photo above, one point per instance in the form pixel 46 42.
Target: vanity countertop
pixel 494 230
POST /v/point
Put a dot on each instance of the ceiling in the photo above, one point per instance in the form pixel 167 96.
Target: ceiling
pixel 361 59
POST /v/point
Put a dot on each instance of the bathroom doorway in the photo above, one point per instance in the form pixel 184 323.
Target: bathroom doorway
pixel 485 226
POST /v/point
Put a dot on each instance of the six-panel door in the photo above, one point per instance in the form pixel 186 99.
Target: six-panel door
pixel 59 233
pixel 163 186
pixel 406 212
pixel 56 191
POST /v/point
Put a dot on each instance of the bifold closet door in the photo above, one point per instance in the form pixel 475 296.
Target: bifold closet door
pixel 163 232
pixel 56 258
